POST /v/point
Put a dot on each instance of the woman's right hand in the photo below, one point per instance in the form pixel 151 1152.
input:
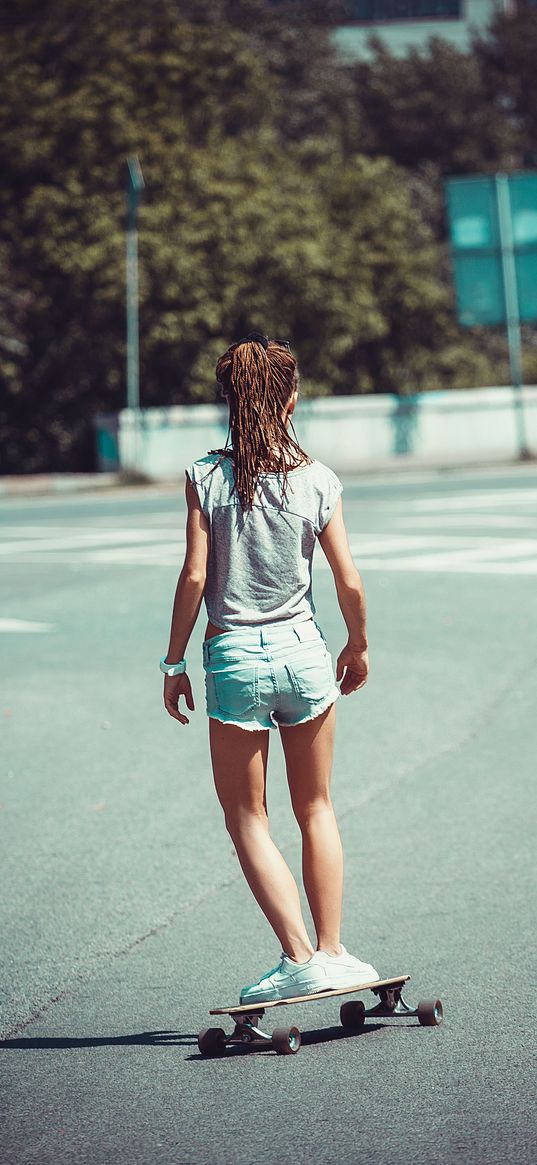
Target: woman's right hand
pixel 352 669
pixel 174 687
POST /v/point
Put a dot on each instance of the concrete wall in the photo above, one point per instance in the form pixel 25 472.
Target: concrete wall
pixel 349 433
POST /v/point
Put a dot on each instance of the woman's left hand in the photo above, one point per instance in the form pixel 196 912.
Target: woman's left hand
pixel 174 687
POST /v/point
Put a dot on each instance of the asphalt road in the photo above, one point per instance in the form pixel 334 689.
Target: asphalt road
pixel 126 917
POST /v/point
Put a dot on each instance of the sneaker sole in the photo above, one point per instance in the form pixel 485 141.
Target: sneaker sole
pixel 297 992
pixel 292 993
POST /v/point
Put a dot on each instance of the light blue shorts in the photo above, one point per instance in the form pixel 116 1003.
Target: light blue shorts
pixel 262 677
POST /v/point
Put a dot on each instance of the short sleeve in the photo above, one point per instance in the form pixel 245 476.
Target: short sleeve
pixel 195 473
pixel 330 495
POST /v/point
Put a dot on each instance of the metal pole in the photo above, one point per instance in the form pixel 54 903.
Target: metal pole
pixel 135 185
pixel 512 313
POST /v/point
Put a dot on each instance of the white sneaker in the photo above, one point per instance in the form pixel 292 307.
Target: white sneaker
pixel 322 972
pixel 344 970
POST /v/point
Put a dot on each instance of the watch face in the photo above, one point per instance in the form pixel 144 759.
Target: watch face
pixel 173 669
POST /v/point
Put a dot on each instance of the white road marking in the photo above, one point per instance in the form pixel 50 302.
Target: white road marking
pixel 464 555
pixel 529 566
pixel 464 548
pixel 418 563
pixel 474 501
pixel 95 537
pixel 25 625
pixel 25 529
pixel 435 534
pixel 364 544
pixel 167 550
pixel 479 521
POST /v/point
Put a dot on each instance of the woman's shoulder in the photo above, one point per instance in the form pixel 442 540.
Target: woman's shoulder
pixel 199 468
pixel 323 474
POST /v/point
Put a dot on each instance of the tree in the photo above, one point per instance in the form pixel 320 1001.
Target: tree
pixel 259 211
pixel 430 106
pixel 506 59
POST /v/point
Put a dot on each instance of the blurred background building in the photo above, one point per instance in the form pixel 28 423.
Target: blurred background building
pixel 405 24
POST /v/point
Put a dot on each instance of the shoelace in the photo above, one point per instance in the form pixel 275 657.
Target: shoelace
pixel 277 968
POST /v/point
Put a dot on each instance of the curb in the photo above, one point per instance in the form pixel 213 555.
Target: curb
pixel 25 485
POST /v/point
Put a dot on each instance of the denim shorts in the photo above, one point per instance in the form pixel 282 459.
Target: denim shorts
pixel 270 675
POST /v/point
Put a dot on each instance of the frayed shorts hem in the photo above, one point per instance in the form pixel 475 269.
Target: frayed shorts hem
pixel 253 726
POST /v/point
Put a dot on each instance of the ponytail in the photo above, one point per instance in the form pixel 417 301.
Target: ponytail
pixel 258 377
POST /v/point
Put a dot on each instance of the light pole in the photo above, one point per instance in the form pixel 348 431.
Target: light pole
pixel 135 185
pixel 512 309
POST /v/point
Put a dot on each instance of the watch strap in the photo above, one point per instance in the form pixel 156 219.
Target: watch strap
pixel 173 669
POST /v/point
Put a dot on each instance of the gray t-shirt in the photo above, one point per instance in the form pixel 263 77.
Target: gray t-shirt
pixel 259 567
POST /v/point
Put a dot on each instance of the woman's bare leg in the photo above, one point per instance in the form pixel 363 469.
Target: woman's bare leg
pixel 309 751
pixel 239 761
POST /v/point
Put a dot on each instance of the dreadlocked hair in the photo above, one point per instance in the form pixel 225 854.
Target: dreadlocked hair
pixel 258 377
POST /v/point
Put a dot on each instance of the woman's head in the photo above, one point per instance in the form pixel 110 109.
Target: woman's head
pixel 259 379
pixel 261 362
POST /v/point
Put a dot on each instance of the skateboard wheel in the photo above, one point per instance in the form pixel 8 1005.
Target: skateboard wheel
pixel 212 1041
pixel 352 1013
pixel 430 1012
pixel 286 1041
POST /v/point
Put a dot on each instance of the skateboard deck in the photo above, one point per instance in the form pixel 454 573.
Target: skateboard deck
pixel 258 1008
pixel 286 1041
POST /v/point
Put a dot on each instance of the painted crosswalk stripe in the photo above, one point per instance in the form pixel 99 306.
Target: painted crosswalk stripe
pixel 88 538
pixel 524 567
pixel 25 625
pixel 474 501
pixel 477 521
pixel 433 535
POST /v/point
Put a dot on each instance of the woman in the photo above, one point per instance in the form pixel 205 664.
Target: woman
pixel 255 510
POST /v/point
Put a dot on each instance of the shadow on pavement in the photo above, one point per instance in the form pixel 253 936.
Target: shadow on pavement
pixel 157 1039
pixel 177 1039
pixel 322 1035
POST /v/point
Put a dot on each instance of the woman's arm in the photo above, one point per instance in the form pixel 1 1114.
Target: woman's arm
pixel 353 661
pixel 187 602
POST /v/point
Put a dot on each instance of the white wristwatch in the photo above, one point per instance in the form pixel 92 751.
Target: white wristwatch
pixel 172 669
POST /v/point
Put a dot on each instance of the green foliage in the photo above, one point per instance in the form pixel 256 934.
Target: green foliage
pixel 506 59
pixel 268 204
pixel 430 106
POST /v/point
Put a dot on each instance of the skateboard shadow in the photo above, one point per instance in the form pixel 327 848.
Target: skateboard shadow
pixel 325 1035
pixel 152 1039
pixel 322 1035
pixel 174 1039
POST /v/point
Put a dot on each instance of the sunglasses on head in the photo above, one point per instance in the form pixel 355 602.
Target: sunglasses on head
pixel 263 340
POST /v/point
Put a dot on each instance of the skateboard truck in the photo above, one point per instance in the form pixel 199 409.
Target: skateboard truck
pixel 429 1013
pixel 247 1029
pixel 286 1041
pixel 213 1041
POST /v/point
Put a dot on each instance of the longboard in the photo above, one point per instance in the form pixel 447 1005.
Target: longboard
pixel 286 1041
